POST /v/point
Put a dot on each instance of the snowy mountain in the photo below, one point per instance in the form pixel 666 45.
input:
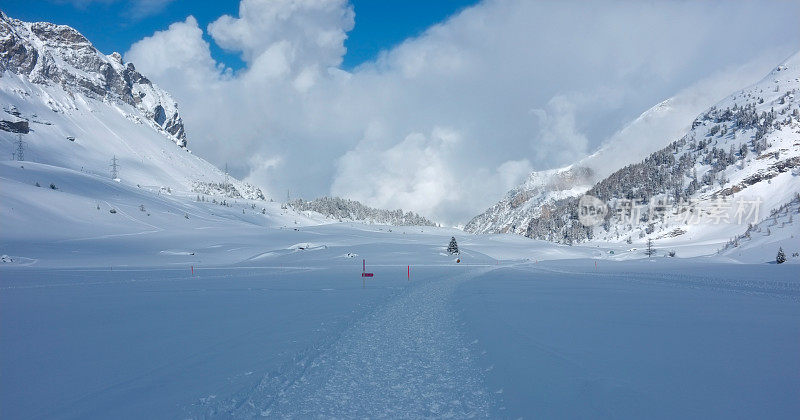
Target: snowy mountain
pixel 514 212
pixel 58 55
pixel 76 108
pixel 92 149
pixel 761 241
pixel 342 209
pixel 744 151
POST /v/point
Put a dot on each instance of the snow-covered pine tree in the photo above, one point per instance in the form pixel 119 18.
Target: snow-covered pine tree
pixel 650 251
pixel 781 257
pixel 453 247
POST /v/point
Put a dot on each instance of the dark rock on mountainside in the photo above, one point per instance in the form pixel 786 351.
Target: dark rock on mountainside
pixel 14 126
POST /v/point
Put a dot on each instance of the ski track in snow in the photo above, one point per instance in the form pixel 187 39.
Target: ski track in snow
pixel 406 359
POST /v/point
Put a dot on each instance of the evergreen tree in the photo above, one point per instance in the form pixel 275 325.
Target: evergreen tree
pixel 650 251
pixel 453 247
pixel 781 258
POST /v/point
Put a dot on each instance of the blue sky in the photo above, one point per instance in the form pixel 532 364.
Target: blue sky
pixel 113 25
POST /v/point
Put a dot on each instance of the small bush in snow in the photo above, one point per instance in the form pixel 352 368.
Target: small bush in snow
pixel 53 186
pixel 37 184
pixel 671 253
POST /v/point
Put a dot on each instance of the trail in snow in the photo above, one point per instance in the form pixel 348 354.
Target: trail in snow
pixel 407 359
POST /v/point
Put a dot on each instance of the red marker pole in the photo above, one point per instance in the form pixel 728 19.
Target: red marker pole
pixel 409 273
pixel 192 271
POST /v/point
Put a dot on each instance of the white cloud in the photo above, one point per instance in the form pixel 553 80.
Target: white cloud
pixel 177 57
pixel 380 133
pixel 305 32
pixel 670 119
pixel 558 131
pixel 415 170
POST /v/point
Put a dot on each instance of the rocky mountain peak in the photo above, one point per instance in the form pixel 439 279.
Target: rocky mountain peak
pixel 46 53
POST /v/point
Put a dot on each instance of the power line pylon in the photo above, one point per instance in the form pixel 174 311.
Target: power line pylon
pixel 114 168
pixel 20 147
pixel 227 182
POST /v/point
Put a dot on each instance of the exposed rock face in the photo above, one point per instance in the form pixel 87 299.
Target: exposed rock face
pixel 526 202
pixel 46 53
pixel 14 126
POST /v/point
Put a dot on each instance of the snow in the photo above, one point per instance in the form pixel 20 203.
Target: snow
pixel 146 154
pixel 225 314
pixel 297 334
pixel 634 340
pixel 236 306
pixel 239 312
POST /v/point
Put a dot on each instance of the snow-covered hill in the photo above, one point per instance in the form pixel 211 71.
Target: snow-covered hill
pixel 514 212
pixel 761 241
pixel 342 209
pixel 738 161
pixel 651 131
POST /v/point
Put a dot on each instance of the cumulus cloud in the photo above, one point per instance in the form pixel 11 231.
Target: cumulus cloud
pixel 308 33
pixel 558 133
pixel 446 122
pixel 178 56
pixel 412 170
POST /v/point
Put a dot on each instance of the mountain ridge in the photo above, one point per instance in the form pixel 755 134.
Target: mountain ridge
pixel 541 192
pixel 744 148
pixel 47 53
